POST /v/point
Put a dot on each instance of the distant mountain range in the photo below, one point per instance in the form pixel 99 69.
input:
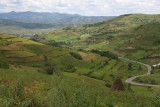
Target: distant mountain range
pixel 135 36
pixel 33 17
pixel 5 22
pixel 28 21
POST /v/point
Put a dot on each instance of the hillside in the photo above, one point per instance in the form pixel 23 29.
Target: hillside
pixel 4 22
pixel 77 77
pixel 74 80
pixel 29 53
pixel 143 43
pixel 106 35
pixel 35 23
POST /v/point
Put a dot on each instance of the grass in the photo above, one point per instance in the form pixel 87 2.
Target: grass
pixel 134 36
pixel 65 90
pixel 151 79
pixel 27 84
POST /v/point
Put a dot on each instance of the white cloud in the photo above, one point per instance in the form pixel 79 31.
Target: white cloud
pixel 84 7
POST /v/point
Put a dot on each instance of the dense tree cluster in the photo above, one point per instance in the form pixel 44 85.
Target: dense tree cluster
pixel 76 55
pixel 105 53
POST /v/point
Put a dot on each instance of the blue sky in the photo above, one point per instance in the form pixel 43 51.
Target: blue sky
pixel 83 7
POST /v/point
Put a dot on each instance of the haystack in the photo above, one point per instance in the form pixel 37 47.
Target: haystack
pixel 118 85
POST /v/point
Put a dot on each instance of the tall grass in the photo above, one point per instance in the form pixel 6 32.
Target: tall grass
pixel 61 91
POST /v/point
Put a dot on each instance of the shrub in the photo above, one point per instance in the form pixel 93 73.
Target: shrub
pixel 49 68
pixel 76 55
pixel 52 43
pixel 129 66
pixel 69 68
pixel 105 54
pixel 3 62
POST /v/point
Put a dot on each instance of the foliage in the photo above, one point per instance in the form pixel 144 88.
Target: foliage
pixel 105 53
pixel 129 66
pixel 49 67
pixel 63 91
pixel 3 61
pixel 52 43
pixel 68 68
pixel 76 55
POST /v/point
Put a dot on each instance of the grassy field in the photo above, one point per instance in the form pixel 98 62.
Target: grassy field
pixel 19 30
pixel 134 36
pixel 24 80
pixel 151 79
pixel 26 52
pixel 67 89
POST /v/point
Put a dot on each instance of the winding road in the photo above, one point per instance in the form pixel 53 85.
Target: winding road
pixel 130 80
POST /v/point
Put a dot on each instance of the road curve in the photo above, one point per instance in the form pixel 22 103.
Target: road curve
pixel 130 80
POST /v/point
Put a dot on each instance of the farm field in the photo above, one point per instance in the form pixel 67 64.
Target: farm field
pixel 25 80
pixel 134 36
pixel 84 66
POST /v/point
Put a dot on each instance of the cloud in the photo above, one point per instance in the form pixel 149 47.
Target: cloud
pixel 84 7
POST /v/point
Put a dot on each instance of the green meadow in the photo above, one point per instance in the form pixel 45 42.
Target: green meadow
pixel 76 66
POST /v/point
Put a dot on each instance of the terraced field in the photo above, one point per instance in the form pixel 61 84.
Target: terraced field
pixel 86 81
pixel 135 36
pixel 29 53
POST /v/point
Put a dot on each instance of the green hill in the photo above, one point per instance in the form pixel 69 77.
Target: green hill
pixel 79 77
pixel 43 22
pixel 19 51
pixel 142 43
pixel 107 35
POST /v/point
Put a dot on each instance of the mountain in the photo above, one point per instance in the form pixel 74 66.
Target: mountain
pixel 107 35
pixel 4 22
pixel 51 17
pixel 34 22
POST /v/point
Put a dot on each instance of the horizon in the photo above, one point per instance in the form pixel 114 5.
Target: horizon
pixel 83 7
pixel 70 13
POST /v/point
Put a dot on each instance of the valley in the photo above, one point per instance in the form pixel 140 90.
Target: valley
pixel 119 35
pixel 43 22
pixel 77 66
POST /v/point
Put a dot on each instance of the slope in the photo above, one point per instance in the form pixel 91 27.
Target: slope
pixel 142 43
pixel 34 22
pixel 82 82
pixel 20 51
pixel 106 35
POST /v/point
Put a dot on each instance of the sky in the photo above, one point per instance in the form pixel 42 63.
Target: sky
pixel 83 7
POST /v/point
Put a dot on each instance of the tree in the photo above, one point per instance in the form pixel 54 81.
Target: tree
pixel 129 66
pixel 45 58
pixel 49 68
pixel 139 68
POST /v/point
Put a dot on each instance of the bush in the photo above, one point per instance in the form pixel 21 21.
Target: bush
pixel 3 62
pixel 76 55
pixel 69 68
pixel 49 68
pixel 129 66
pixel 52 43
pixel 105 54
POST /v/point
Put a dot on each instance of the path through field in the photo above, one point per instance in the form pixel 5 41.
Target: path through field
pixel 130 80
